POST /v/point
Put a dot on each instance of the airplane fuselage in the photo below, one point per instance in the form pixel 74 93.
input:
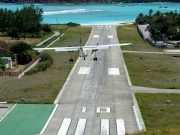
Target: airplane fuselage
pixel 83 52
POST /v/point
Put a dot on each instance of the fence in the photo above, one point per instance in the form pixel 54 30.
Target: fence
pixel 20 72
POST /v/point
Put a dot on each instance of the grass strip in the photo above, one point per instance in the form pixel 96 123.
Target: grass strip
pixel 159 110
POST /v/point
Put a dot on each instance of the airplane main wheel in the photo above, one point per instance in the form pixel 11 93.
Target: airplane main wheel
pixel 95 59
pixel 71 60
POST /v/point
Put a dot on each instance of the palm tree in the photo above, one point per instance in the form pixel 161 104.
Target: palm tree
pixel 150 12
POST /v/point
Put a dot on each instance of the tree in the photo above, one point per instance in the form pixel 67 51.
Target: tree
pixel 150 12
pixel 24 52
pixel 13 32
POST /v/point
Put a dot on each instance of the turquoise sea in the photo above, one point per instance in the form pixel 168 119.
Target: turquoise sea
pixel 96 13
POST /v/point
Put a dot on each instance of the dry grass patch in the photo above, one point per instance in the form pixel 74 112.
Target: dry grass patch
pixel 43 87
pixel 30 41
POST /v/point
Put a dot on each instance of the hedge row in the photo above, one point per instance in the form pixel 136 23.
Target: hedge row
pixel 46 43
pixel 45 62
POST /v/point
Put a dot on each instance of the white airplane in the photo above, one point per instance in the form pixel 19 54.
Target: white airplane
pixel 82 49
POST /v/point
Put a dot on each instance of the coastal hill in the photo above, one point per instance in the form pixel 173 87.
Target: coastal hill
pixel 84 1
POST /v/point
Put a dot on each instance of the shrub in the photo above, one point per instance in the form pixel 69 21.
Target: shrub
pixel 45 62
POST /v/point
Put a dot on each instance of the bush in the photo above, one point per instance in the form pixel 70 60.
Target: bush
pixel 46 57
pixel 45 62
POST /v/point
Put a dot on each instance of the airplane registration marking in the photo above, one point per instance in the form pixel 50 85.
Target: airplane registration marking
pixel 110 36
pixel 103 110
pixel 80 127
pixel 84 70
pixel 113 71
pixel 120 127
pixel 104 127
pixel 96 36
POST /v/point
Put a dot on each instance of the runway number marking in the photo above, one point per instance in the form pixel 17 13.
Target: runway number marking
pixel 64 126
pixel 83 109
pixel 103 110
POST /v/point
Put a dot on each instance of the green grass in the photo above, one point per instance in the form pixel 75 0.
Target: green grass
pixel 43 87
pixel 160 131
pixel 164 73
pixel 157 113
pixel 164 69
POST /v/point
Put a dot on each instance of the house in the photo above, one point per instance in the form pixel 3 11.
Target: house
pixel 7 61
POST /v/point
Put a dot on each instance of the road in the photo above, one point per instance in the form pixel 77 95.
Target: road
pixel 96 99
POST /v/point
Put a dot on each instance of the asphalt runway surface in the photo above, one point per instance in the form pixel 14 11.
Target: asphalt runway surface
pixel 96 99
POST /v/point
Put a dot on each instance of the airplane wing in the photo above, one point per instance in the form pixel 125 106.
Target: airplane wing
pixel 104 46
pixel 76 48
pixel 59 48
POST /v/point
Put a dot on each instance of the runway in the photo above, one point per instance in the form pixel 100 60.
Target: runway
pixel 96 99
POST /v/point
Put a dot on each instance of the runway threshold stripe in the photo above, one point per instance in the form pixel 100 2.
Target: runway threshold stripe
pixel 64 126
pixel 80 127
pixel 120 127
pixel 104 127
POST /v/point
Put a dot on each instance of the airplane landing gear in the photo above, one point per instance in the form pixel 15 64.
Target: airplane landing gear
pixel 95 59
pixel 71 60
pixel 84 58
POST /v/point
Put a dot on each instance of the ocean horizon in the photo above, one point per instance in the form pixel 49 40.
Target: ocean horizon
pixel 95 14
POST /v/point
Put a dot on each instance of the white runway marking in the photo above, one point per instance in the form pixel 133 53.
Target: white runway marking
pixel 104 127
pixel 96 36
pixel 120 127
pixel 64 126
pixel 83 109
pixel 103 110
pixel 84 70
pixel 7 112
pixel 110 36
pixel 113 71
pixel 136 116
pixel 42 131
pixel 80 127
